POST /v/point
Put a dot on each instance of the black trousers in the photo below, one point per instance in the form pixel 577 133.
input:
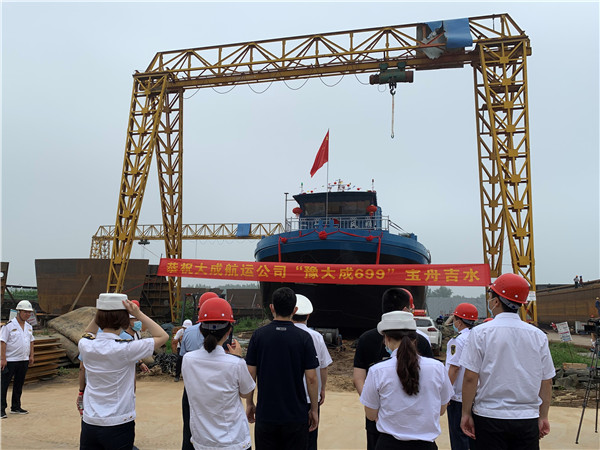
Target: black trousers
pixel 16 369
pixel 313 435
pixel 116 437
pixel 506 434
pixel 387 442
pixel 178 364
pixel 372 434
pixel 187 432
pixel 458 439
pixel 287 436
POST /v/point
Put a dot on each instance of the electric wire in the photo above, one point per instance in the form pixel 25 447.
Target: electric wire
pixel 227 92
pixel 195 92
pixel 270 84
pixel 358 79
pixel 295 89
pixel 334 84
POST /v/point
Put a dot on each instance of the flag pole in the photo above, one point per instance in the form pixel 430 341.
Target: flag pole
pixel 327 193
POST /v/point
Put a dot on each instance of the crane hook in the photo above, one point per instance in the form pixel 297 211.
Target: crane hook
pixel 393 92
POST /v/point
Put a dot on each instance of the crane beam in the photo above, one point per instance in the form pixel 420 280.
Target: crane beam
pixel 105 234
pixel 499 64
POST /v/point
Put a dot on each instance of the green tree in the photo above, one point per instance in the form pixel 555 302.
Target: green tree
pixel 442 291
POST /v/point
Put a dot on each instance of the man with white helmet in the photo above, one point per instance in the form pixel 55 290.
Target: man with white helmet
pixel 17 354
pixel 507 385
pixel 176 344
pixel 300 319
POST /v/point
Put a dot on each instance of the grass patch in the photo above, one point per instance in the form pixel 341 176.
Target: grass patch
pixel 565 352
pixel 247 324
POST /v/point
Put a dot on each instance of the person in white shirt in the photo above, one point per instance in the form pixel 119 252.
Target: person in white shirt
pixel 108 419
pixel 507 385
pixel 405 394
pixel 176 344
pixel 215 381
pixel 300 319
pixel 463 319
pixel 17 355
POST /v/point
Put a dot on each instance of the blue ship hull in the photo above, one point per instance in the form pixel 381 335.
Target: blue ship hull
pixel 351 308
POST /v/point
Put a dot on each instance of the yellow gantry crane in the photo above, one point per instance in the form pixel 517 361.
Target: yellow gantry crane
pixel 499 62
pixel 105 234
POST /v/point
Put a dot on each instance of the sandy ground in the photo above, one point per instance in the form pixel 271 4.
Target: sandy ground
pixel 53 421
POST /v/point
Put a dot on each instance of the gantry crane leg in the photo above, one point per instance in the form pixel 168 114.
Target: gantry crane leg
pixel 169 156
pixel 147 101
pixel 504 164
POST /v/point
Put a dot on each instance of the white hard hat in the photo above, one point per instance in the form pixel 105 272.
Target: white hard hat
pixel 186 323
pixel 304 305
pixel 397 320
pixel 24 305
pixel 111 302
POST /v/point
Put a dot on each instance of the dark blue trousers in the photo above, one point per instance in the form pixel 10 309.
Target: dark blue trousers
pixel 458 439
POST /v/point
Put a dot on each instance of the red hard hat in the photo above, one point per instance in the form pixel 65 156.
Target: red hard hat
pixel 466 311
pixel 410 298
pixel 512 287
pixel 205 297
pixel 216 309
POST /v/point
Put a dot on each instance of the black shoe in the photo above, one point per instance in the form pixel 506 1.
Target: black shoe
pixel 18 411
pixel 176 379
pixel 3 415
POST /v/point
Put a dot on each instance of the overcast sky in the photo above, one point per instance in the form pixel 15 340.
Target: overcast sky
pixel 66 88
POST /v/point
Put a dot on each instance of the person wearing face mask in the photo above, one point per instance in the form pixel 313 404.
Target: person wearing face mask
pixel 463 319
pixel 371 349
pixel 406 394
pixel 507 387
pixel 108 403
pixel 134 332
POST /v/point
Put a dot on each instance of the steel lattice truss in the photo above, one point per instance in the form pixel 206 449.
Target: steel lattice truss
pixel 499 64
pixel 101 241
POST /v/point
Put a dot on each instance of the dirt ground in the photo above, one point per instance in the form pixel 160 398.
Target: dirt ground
pixel 54 422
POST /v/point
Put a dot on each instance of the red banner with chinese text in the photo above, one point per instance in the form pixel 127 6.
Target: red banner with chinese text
pixel 384 274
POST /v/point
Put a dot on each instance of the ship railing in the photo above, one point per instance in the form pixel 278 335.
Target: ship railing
pixel 349 222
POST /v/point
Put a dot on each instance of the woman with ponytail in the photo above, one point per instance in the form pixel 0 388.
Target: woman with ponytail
pixel 215 381
pixel 406 394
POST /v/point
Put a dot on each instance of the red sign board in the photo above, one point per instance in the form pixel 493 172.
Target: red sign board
pixel 384 274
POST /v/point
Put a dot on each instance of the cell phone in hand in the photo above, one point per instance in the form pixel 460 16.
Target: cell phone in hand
pixel 229 340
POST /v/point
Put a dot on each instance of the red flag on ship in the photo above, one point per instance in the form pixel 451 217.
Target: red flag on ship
pixel 322 155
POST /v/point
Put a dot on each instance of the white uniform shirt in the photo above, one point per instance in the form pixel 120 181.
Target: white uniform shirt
pixel 512 358
pixel 213 382
pixel 178 336
pixel 18 340
pixel 109 397
pixel 453 351
pixel 322 355
pixel 407 417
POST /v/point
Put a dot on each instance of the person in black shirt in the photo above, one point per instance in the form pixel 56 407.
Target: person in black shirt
pixel 279 356
pixel 371 349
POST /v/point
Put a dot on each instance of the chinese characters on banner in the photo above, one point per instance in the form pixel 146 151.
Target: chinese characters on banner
pixel 384 274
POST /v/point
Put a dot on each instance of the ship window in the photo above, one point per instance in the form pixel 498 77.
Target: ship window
pixel 314 209
pixel 337 208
